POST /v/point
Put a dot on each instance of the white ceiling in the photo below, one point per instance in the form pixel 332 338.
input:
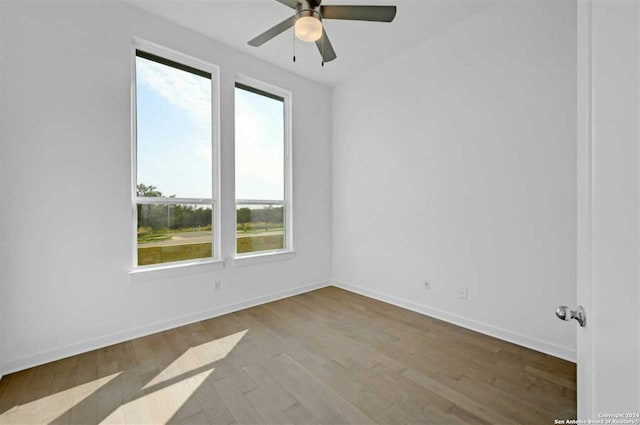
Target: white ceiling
pixel 359 45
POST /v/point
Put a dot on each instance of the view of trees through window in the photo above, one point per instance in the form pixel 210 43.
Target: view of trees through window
pixel 172 232
pixel 259 228
pixel 260 170
pixel 174 195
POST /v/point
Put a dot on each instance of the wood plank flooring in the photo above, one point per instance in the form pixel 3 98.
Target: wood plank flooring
pixel 324 357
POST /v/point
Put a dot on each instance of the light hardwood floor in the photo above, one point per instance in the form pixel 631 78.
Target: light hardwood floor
pixel 324 357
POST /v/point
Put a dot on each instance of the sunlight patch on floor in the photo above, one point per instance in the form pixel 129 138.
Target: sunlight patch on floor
pixel 197 357
pixel 53 406
pixel 124 397
pixel 159 406
pixel 166 393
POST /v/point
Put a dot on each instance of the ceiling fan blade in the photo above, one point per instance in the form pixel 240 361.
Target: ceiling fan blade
pixel 272 32
pixel 325 48
pixel 291 3
pixel 359 13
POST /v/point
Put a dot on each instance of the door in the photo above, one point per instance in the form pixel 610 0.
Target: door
pixel 608 351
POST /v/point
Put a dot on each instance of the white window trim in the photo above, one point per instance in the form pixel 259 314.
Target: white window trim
pixel 177 268
pixel 263 257
pixel 189 266
pixel 288 252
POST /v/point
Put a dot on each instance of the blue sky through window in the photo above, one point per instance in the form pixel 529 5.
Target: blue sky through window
pixel 174 136
pixel 259 122
pixel 174 130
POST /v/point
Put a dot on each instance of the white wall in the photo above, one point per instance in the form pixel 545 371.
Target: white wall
pixel 455 161
pixel 65 173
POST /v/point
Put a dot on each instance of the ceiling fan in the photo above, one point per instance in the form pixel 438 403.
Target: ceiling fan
pixel 308 22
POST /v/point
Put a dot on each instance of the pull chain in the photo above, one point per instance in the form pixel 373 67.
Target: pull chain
pixel 322 47
pixel 294 46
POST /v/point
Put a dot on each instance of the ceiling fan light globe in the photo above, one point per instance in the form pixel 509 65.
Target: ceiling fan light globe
pixel 308 28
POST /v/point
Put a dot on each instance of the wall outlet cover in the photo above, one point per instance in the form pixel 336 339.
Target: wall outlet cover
pixel 462 293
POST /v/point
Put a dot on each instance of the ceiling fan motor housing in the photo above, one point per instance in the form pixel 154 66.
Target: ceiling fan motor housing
pixel 309 8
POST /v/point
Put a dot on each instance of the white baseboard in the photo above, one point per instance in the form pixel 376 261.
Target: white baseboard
pixel 104 341
pixel 525 341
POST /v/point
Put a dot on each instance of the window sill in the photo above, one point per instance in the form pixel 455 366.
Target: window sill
pixel 266 257
pixel 148 273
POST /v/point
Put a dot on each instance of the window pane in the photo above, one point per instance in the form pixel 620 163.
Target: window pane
pixel 259 228
pixel 174 232
pixel 173 130
pixel 259 137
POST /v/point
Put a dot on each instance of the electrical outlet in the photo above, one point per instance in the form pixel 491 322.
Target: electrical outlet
pixel 427 285
pixel 216 286
pixel 462 293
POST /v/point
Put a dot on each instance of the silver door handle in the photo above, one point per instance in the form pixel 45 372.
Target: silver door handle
pixel 565 313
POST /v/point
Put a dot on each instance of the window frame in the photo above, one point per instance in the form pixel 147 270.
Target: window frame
pixel 214 201
pixel 287 203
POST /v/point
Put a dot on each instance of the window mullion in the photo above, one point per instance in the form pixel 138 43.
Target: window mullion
pixel 259 202
pixel 168 201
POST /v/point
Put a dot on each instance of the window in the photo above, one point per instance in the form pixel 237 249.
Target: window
pixel 262 152
pixel 175 180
